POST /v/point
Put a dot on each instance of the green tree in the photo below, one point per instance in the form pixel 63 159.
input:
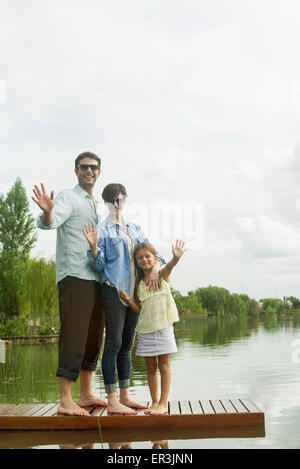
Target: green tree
pixel 43 297
pixel 17 237
pixel 214 299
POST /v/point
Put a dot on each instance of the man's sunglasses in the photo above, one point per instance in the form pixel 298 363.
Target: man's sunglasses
pixel 85 167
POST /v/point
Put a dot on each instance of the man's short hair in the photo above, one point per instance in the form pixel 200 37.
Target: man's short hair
pixel 87 154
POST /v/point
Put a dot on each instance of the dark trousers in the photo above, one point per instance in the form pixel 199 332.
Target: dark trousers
pixel 120 324
pixel 82 323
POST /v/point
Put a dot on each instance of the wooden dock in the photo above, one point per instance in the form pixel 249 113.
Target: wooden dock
pixel 182 414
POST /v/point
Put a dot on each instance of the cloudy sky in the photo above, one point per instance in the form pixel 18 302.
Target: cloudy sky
pixel 194 105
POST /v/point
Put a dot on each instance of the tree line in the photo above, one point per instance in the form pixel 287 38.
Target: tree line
pixel 219 302
pixel 28 285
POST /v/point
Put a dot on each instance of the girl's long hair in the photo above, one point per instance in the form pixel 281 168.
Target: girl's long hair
pixel 138 271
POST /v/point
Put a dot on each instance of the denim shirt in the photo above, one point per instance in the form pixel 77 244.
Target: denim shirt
pixel 113 259
pixel 72 210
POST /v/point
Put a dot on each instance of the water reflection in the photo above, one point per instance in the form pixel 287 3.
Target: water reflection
pixel 114 439
pixel 217 358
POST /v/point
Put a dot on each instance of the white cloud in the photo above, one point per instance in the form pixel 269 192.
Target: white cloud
pixel 263 238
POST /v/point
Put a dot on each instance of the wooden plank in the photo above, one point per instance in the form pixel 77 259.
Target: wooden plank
pixel 10 410
pixel 185 408
pixel 21 409
pixel 228 406
pixel 98 411
pixel 250 405
pixel 196 408
pixel 217 405
pixel 207 407
pixel 43 410
pixel 52 411
pixel 5 407
pixel 174 408
pixel 33 410
pixel 238 405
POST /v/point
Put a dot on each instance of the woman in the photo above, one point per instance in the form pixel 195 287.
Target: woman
pixel 111 254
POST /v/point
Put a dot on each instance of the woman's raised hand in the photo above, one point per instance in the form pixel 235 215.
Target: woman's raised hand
pixel 42 199
pixel 91 234
pixel 178 250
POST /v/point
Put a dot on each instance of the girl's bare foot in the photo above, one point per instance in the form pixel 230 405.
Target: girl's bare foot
pixel 161 409
pixel 118 408
pixel 152 407
pixel 71 409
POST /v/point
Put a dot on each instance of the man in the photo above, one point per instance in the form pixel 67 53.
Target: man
pixel 79 288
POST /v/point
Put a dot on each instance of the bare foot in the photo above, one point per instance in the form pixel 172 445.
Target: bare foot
pixel 71 409
pixel 118 408
pixel 161 409
pixel 152 407
pixel 130 403
pixel 91 400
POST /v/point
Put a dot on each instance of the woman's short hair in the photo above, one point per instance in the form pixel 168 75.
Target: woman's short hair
pixel 112 190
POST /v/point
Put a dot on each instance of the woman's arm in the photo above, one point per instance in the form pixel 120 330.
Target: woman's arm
pixel 132 305
pixel 92 236
pixel 96 240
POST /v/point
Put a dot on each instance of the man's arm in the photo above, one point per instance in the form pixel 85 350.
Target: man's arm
pixel 54 213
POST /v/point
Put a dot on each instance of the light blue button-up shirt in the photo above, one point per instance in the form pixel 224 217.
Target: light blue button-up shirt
pixel 113 259
pixel 72 210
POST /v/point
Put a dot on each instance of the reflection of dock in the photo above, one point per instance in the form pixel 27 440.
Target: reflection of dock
pixel 203 414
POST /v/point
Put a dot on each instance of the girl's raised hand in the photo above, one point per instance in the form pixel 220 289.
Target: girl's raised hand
pixel 91 234
pixel 178 250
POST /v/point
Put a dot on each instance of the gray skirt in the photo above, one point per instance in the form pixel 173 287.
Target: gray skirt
pixel 156 343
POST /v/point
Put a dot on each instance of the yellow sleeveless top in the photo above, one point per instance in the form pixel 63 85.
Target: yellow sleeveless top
pixel 158 309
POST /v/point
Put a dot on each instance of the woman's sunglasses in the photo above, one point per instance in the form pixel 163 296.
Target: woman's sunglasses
pixel 119 200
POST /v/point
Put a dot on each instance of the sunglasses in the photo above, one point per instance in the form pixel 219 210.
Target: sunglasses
pixel 119 200
pixel 85 167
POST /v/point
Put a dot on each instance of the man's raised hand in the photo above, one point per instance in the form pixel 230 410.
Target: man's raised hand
pixel 42 199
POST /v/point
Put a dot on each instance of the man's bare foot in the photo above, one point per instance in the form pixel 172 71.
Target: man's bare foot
pixel 152 407
pixel 161 409
pixel 130 403
pixel 118 408
pixel 71 409
pixel 91 400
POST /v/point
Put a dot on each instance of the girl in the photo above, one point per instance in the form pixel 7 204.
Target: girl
pixel 157 312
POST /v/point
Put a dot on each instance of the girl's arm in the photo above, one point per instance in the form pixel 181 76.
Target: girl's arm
pixel 178 250
pixel 132 305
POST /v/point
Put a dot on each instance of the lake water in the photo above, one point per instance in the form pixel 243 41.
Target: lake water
pixel 216 359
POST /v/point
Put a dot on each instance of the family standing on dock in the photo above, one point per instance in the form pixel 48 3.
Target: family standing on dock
pixel 108 275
